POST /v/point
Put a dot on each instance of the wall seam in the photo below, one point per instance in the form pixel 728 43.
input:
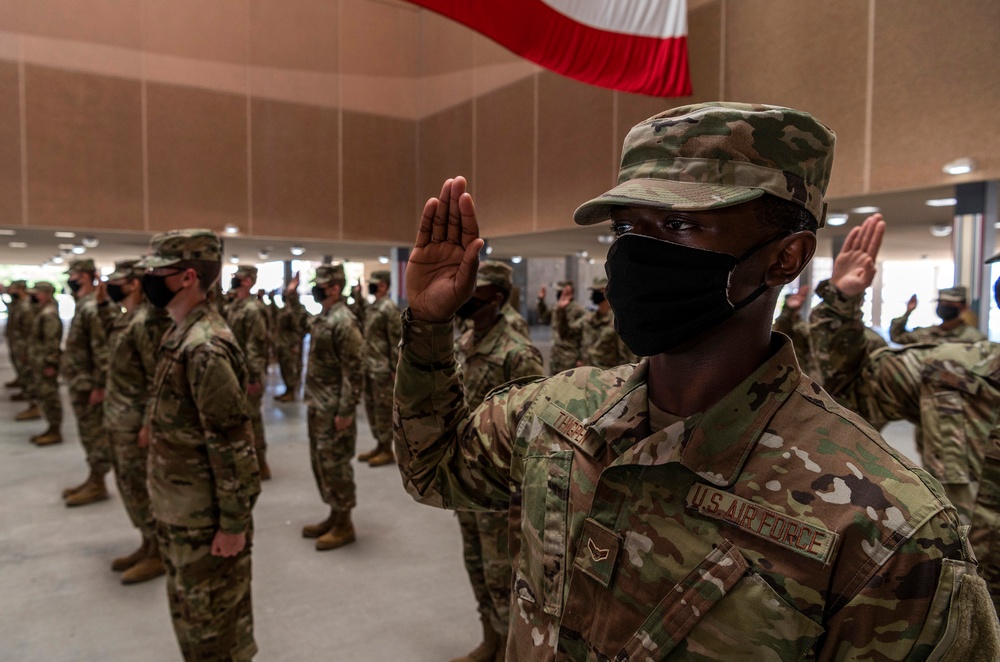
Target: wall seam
pixel 869 100
pixel 144 110
pixel 22 102
pixel 534 156
pixel 249 57
pixel 722 50
pixel 340 120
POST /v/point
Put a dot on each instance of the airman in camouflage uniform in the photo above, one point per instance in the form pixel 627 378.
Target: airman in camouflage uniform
pixel 515 320
pixel 203 474
pixel 565 348
pixel 85 370
pixel 291 324
pixel 951 305
pixel 600 344
pixel 382 329
pixel 711 502
pixel 790 322
pixel 491 353
pixel 19 316
pixel 134 338
pixel 247 317
pixel 45 356
pixel 334 382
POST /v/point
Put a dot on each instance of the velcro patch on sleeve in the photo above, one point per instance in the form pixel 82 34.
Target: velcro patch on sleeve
pixel 794 534
pixel 565 424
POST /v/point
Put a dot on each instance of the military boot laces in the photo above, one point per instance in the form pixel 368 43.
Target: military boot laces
pixel 341 534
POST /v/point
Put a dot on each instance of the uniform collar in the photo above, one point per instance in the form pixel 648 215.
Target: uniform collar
pixel 489 342
pixel 715 443
pixel 179 332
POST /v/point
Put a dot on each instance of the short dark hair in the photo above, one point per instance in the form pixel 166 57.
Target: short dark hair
pixel 772 211
pixel 207 271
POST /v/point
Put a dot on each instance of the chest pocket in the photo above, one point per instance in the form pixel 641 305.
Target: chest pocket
pixel 946 444
pixel 720 610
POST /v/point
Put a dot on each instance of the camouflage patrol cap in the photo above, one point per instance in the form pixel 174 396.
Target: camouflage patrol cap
pixel 18 283
pixel 381 276
pixel 713 155
pixel 492 272
pixel 125 269
pixel 600 283
pixel 564 283
pixel 182 245
pixel 81 266
pixel 43 286
pixel 957 294
pixel 246 271
pixel 330 273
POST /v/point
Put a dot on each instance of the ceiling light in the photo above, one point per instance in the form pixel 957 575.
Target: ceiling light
pixel 264 253
pixel 940 230
pixel 18 244
pixel 959 166
pixel 864 210
pixel 231 229
pixel 605 239
pixel 58 259
pixel 90 242
pixel 65 235
pixel 235 259
pixel 583 254
pixel 836 219
pixel 383 259
pixel 516 259
pixel 7 233
pixel 489 250
pixel 79 250
pixel 942 202
pixel 296 250
pixel 65 247
pixel 591 261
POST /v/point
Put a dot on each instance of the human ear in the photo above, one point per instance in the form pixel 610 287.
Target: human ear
pixel 791 256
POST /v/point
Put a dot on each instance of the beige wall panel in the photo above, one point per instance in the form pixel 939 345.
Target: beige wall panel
pixel 294 170
pixel 937 89
pixel 10 145
pixel 444 150
pixel 294 34
pixel 197 158
pixel 489 53
pixel 577 157
pixel 505 157
pixel 813 60
pixel 446 46
pixel 9 17
pixel 108 22
pixel 84 144
pixel 215 31
pixel 379 200
pixel 377 39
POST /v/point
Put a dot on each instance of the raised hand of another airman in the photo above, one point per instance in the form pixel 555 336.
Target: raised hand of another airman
pixel 854 267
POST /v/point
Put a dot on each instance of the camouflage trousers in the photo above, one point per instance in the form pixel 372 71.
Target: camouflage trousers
pixel 487 560
pixel 19 358
pixel 129 460
pixel 209 596
pixel 330 452
pixel 562 358
pixel 985 533
pixel 93 436
pixel 378 406
pixel 290 363
pixel 45 391
pixel 256 403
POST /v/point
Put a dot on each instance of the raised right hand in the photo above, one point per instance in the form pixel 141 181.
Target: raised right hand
pixel 441 272
pixel 911 305
pixel 566 297
pixel 854 268
pixel 293 284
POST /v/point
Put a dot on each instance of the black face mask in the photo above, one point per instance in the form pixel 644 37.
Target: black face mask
pixel 665 294
pixel 319 294
pixel 14 296
pixel 74 286
pixel 470 308
pixel 373 288
pixel 157 291
pixel 236 283
pixel 34 299
pixel 116 293
pixel 946 312
pixel 597 297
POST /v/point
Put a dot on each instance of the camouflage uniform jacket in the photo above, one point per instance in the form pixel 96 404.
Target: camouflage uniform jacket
pixel 774 525
pixel 516 320
pixel 600 344
pixel 382 330
pixel 500 356
pixel 203 470
pixel 135 340
pixel 790 323
pixel 46 334
pixel 85 360
pixel 334 373
pixel 248 319
pixel 20 313
pixel 565 347
pixel 291 321
pixel 931 334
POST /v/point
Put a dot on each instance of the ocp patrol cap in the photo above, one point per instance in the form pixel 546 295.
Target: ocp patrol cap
pixel 493 272
pixel 83 265
pixel 381 276
pixel 43 286
pixel 600 284
pixel 957 294
pixel 175 246
pixel 17 283
pixel 330 273
pixel 713 155
pixel 246 271
pixel 125 269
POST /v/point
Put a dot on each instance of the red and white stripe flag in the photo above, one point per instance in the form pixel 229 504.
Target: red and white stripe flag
pixel 629 45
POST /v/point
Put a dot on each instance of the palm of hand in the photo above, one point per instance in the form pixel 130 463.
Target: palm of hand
pixel 853 272
pixel 433 276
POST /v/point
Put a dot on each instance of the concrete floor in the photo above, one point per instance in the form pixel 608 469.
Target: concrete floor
pixel 399 593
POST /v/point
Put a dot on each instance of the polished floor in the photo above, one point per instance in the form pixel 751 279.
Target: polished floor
pixel 400 593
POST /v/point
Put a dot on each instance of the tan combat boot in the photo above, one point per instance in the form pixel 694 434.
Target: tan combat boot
pixel 93 491
pixel 18 397
pixel 29 414
pixel 265 468
pixel 70 491
pixel 364 457
pixel 318 529
pixel 51 436
pixel 123 563
pixel 149 567
pixel 287 396
pixel 14 383
pixel 384 456
pixel 489 650
pixel 341 534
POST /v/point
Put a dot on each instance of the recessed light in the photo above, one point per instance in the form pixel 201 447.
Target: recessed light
pixel 235 259
pixel 836 219
pixel 942 202
pixel 18 244
pixel 264 253
pixel 296 250
pixel 7 233
pixel 231 229
pixel 383 259
pixel 65 247
pixel 90 242
pixel 961 166
pixel 65 235
pixel 941 230
pixel 79 250
pixel 583 254
pixel 489 250
pixel 58 259
pixel 605 239
pixel 865 210
pixel 516 259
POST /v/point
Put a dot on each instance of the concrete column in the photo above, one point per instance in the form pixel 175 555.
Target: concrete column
pixel 520 296
pixel 573 274
pixel 973 241
pixel 398 256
